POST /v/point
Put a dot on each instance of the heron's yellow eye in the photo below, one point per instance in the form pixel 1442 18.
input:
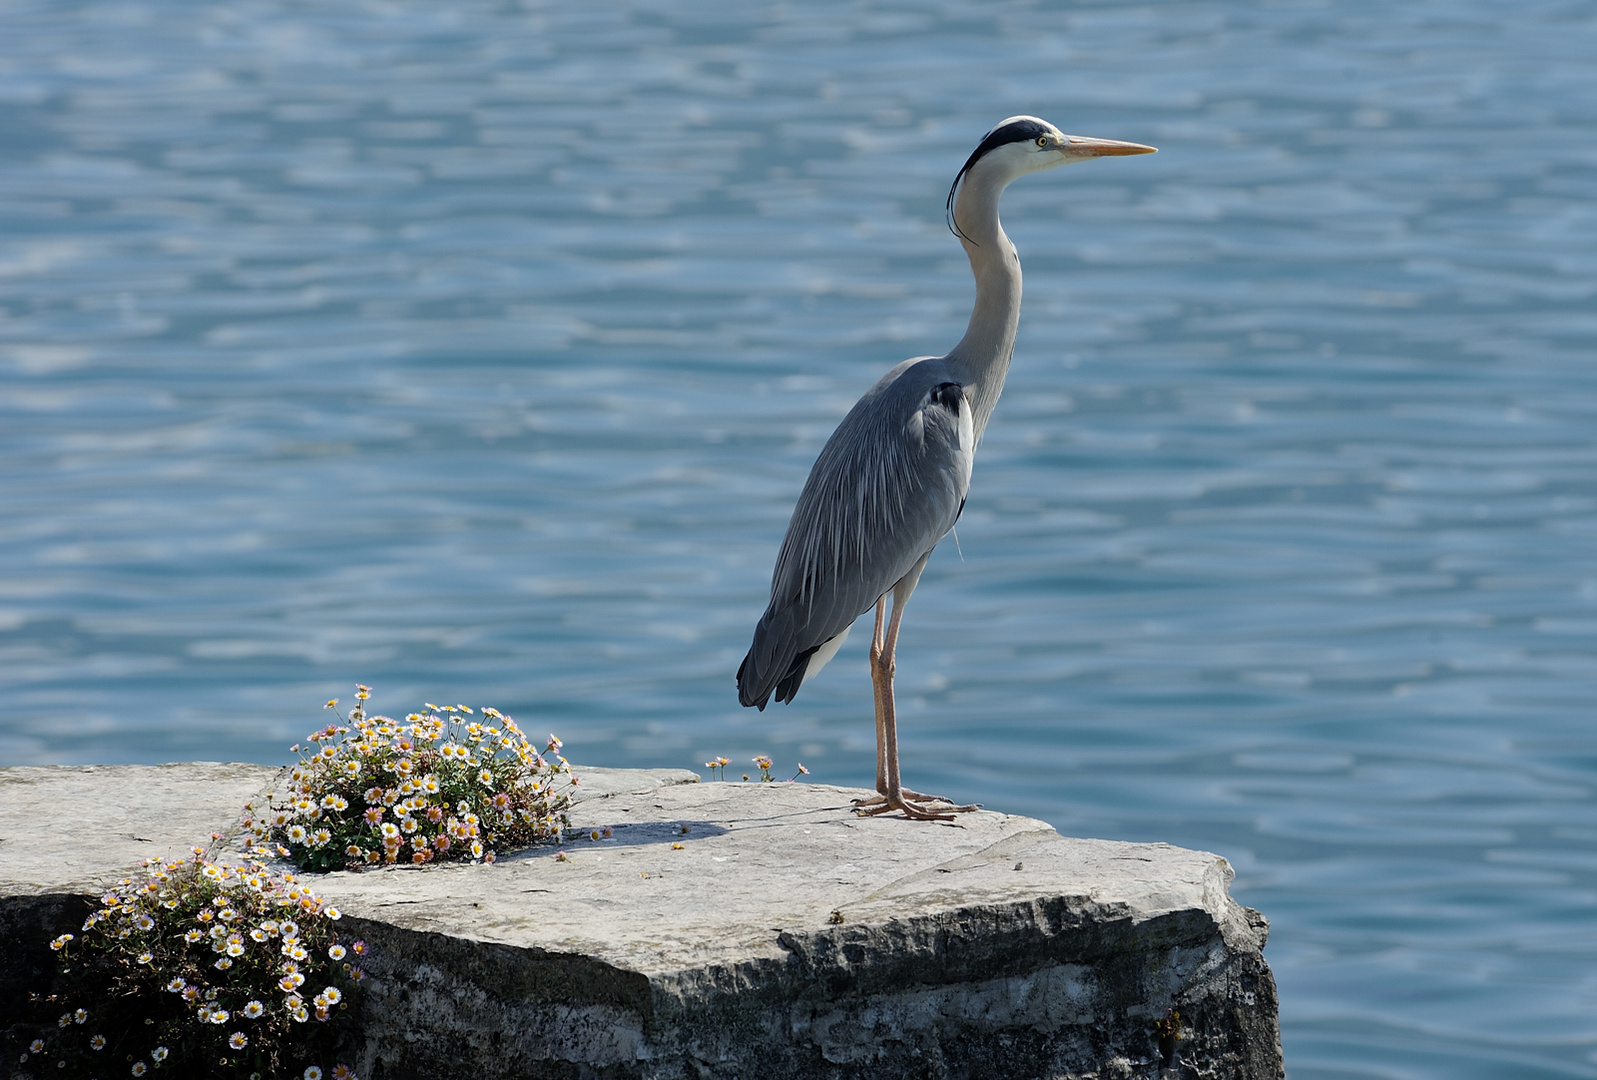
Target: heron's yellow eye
pixel 1042 140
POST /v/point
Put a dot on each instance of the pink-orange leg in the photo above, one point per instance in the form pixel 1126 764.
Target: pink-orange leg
pixel 892 794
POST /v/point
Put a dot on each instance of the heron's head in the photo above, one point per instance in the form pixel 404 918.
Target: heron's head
pixel 1025 144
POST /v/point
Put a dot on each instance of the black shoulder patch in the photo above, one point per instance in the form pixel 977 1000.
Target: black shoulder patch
pixel 948 395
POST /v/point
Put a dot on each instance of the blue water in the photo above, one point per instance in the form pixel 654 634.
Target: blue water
pixel 477 352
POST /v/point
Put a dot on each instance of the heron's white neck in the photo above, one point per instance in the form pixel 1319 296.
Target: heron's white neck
pixel 989 340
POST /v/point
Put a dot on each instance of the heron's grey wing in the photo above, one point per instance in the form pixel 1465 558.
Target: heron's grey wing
pixel 887 486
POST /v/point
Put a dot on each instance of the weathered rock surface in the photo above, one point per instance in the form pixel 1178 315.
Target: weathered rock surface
pixel 725 930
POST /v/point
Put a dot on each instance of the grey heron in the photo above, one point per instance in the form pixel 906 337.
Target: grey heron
pixel 892 479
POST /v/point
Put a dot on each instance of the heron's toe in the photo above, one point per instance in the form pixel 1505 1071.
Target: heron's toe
pixel 911 810
pixel 918 797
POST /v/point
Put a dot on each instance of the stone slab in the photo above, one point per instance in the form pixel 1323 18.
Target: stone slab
pixel 736 930
pixel 67 831
pixel 67 828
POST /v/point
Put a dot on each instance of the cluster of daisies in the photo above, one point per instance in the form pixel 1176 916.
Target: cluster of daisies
pixel 203 968
pixel 443 784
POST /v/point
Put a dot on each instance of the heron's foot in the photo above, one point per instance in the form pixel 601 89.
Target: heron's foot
pixel 915 809
pixel 915 796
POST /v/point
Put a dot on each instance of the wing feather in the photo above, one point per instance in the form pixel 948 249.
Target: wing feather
pixel 887 486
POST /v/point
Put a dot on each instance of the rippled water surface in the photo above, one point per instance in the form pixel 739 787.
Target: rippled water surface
pixel 478 351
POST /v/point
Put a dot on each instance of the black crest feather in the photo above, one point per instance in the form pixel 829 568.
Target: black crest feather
pixel 1015 131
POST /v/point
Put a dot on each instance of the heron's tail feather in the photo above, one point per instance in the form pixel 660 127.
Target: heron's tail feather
pixel 774 664
pixel 745 696
pixel 787 688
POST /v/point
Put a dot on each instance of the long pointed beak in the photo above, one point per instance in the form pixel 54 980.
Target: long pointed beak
pixel 1084 147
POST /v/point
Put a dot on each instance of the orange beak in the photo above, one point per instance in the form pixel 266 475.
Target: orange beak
pixel 1084 147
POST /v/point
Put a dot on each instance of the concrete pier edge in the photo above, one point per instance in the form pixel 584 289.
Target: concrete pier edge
pixel 724 930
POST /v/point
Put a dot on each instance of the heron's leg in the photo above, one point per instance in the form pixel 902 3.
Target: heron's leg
pixel 883 667
pixel 878 691
pixel 895 793
pixel 882 686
